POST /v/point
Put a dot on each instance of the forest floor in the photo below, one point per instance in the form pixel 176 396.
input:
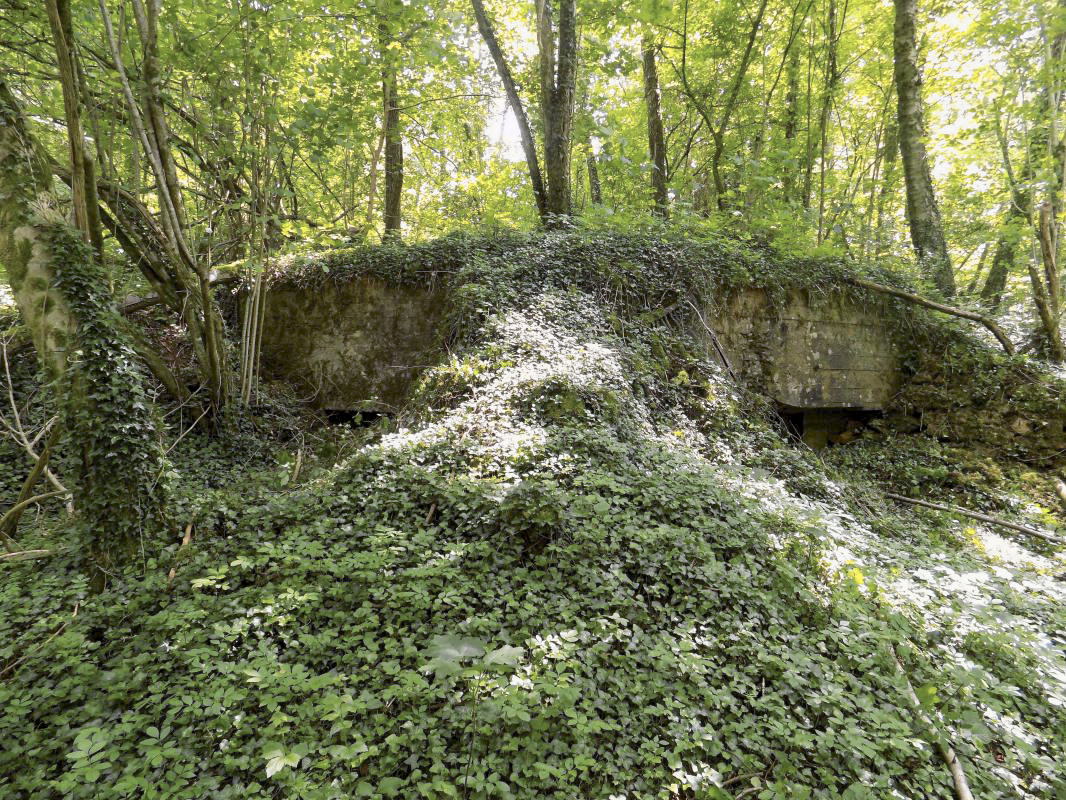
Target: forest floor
pixel 582 563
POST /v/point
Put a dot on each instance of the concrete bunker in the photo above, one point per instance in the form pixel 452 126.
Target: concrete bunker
pixel 353 347
pixel 829 363
pixel 360 346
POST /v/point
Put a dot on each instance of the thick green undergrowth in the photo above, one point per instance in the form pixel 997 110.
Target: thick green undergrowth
pixel 581 564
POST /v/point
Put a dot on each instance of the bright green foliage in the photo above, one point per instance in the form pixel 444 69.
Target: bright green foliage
pixel 545 582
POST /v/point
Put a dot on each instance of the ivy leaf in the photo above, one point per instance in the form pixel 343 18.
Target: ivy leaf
pixel 277 759
pixel 506 657
pixel 455 648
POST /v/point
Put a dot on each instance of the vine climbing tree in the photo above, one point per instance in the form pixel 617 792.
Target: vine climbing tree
pixel 86 349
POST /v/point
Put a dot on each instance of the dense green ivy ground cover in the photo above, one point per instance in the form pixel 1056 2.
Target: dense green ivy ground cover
pixel 574 568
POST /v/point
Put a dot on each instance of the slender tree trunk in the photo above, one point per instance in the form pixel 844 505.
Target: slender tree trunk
pixel 199 310
pixel 373 192
pixel 718 133
pixel 393 141
pixel 83 188
pixel 393 157
pixel 1046 288
pixel 832 79
pixel 595 192
pixel 63 296
pixel 871 197
pixel 529 146
pixel 888 186
pixel 788 179
pixel 656 139
pixel 923 214
pixel 808 149
pixel 1003 258
pixel 558 91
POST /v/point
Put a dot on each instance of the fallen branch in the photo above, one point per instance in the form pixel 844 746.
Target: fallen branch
pixel 965 512
pixel 9 524
pixel 141 303
pixel 24 555
pixel 16 510
pixel 187 431
pixel 910 297
pixel 962 786
pixel 296 469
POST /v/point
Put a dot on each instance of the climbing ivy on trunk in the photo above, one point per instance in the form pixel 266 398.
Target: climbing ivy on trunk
pixel 87 350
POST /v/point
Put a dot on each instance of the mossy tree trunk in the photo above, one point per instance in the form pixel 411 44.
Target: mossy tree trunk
pixel 393 156
pixel 85 346
pixel 558 92
pixel 656 138
pixel 923 213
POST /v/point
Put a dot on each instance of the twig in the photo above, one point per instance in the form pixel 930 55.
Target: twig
pixel 717 344
pixel 18 432
pixel 187 431
pixel 962 786
pixel 910 297
pixel 977 515
pixel 14 664
pixel 10 522
pixel 739 778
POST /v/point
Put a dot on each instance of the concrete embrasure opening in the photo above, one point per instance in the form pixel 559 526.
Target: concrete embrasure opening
pixel 354 418
pixel 824 427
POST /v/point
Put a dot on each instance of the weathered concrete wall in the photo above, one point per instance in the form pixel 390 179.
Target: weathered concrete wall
pixel 809 351
pixel 360 345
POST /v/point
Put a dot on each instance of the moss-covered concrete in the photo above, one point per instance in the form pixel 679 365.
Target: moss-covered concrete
pixel 357 345
pixel 362 344
pixel 810 350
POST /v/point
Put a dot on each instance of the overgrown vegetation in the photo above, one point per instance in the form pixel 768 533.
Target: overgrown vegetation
pixel 582 563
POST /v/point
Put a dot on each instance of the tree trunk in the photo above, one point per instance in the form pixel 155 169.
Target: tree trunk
pixel 832 78
pixel 393 144
pixel 83 187
pixel 63 296
pixel 1046 288
pixel 188 274
pixel 1003 258
pixel 788 179
pixel 656 139
pixel 558 90
pixel 888 185
pixel 718 131
pixel 923 215
pixel 529 146
pixel 595 193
